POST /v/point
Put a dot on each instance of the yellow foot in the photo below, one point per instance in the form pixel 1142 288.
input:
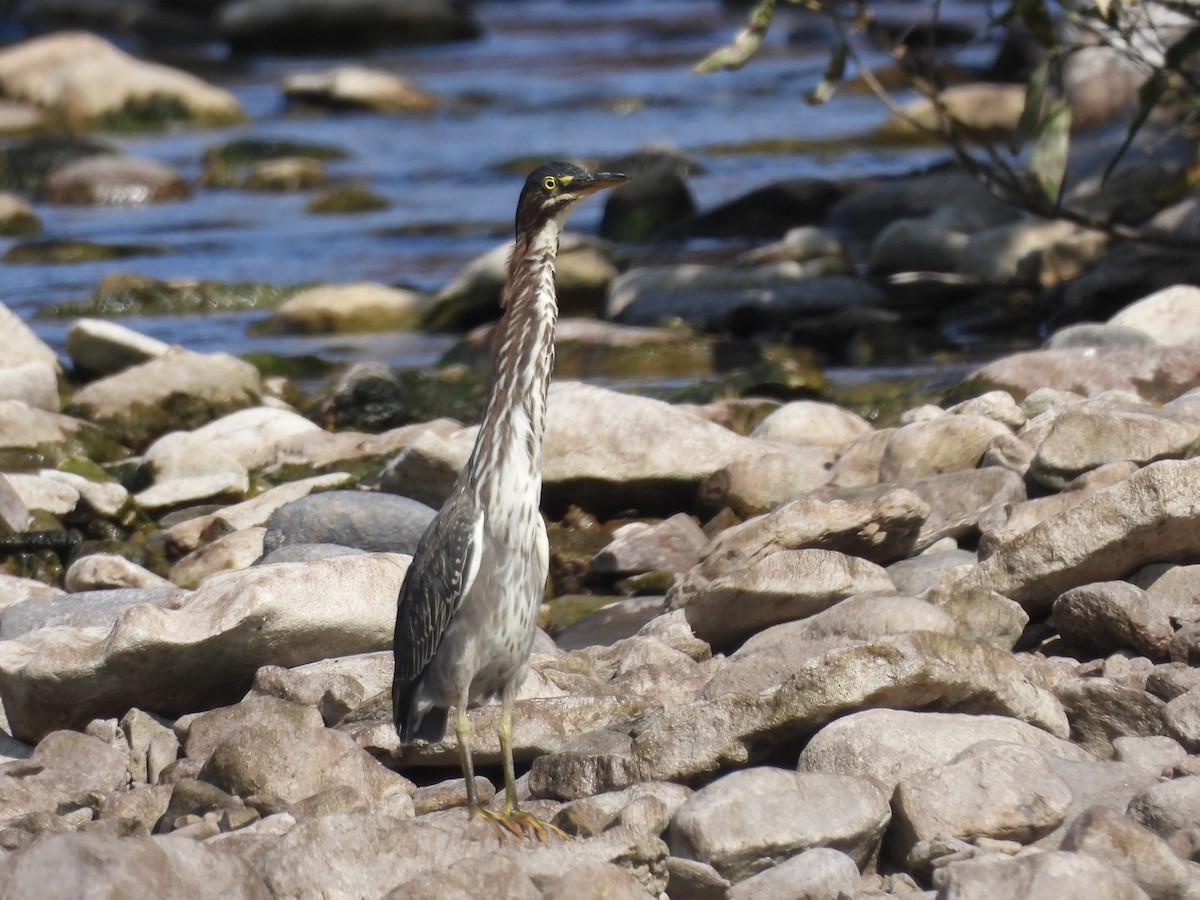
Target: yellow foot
pixel 520 824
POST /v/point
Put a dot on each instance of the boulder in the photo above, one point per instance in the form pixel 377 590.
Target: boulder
pixel 99 348
pixel 340 308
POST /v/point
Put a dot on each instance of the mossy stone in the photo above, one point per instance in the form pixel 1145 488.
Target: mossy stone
pixel 64 251
pixel 136 295
pixel 251 150
pixel 351 198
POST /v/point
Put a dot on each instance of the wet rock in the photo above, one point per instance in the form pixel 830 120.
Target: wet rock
pixel 191 534
pixel 84 80
pixel 109 180
pixel 770 211
pixel 1087 435
pixel 744 821
pixel 339 308
pixel 294 26
pixel 17 217
pixel 1168 316
pixel 1154 374
pixel 819 872
pixel 295 761
pixel 785 585
pixel 923 245
pixel 991 790
pixel 1106 536
pixel 891 745
pixel 1108 616
pixel 345 199
pixel 99 571
pixel 180 389
pixel 289 173
pixel 1040 876
pixel 358 87
pixel 99 348
pixel 1137 852
pixel 656 204
pixel 287 615
pixel 61 774
pixel 583 272
pixel 130 867
pixel 744 300
pixel 367 521
pixel 672 545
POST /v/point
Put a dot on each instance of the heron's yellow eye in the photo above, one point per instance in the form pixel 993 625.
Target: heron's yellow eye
pixel 550 183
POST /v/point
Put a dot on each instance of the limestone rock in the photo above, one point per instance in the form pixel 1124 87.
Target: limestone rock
pixel 160 659
pixel 358 87
pixel 21 345
pixel 1169 316
pixel 98 347
pixel 742 822
pixel 106 570
pixel 339 308
pixel 33 383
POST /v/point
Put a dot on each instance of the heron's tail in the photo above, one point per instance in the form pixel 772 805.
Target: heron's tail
pixel 416 721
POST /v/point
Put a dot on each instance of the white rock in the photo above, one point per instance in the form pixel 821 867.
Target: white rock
pixel 104 348
pixel 1170 316
pixel 20 344
pixel 33 383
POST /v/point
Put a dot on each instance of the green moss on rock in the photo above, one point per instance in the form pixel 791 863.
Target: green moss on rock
pixel 136 295
pixel 61 251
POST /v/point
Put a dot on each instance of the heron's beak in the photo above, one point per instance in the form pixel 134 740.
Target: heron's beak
pixel 596 181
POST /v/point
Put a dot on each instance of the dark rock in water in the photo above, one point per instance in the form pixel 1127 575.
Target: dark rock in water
pixel 325 25
pixel 305 553
pixel 49 252
pixel 81 610
pixel 349 198
pixel 251 150
pixel 374 398
pixel 652 206
pixel 770 211
pixel 113 181
pixel 367 521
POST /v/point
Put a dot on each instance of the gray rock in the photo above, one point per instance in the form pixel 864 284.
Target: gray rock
pixel 1091 334
pixel 363 520
pixel 87 609
pixel 204 732
pixel 592 815
pixel 104 865
pixel 611 623
pixel 925 245
pixel 890 745
pixel 99 347
pixel 945 444
pixel 912 576
pixel 1100 709
pixel 917 669
pixel 292 553
pixel 991 790
pixel 1040 876
pixel 1111 615
pixel 293 761
pixel 744 821
pixel 600 879
pixel 585 765
pixel 753 486
pixel 1113 532
pixel 64 771
pixel 1136 851
pixel 493 874
pixel 672 545
pixel 695 879
pixel 811 423
pixel 1182 718
pixel 981 614
pixel 1168 806
pixel 821 873
pixel 161 659
pixel 1155 753
pixel 334 687
pixel 787 584
pixel 1176 586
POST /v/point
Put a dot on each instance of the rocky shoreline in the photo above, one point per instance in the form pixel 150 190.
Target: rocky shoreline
pixel 955 656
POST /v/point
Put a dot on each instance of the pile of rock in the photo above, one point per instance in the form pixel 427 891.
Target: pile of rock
pixel 955 656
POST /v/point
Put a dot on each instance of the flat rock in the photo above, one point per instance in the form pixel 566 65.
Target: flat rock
pixel 160 659
pixel 86 609
pixel 785 585
pixel 257 437
pixel 1148 517
pixel 744 821
pixel 890 745
pixel 179 389
pixel 109 866
pixel 358 87
pixel 1156 374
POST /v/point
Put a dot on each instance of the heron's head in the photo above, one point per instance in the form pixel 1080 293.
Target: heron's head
pixel 551 190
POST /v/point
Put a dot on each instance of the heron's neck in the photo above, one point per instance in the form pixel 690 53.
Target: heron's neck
pixel 505 466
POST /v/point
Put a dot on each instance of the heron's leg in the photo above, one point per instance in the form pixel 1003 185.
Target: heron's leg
pixel 462 728
pixel 515 820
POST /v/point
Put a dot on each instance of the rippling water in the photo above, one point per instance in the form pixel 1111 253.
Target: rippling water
pixel 549 79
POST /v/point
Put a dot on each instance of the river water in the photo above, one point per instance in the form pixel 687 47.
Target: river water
pixel 550 79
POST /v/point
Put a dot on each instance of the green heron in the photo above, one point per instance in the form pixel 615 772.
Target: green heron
pixel 469 605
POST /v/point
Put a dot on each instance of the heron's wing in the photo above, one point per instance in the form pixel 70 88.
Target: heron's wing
pixel 440 575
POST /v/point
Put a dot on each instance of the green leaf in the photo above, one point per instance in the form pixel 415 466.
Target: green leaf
pixel 1035 104
pixel 1048 158
pixel 745 44
pixel 831 80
